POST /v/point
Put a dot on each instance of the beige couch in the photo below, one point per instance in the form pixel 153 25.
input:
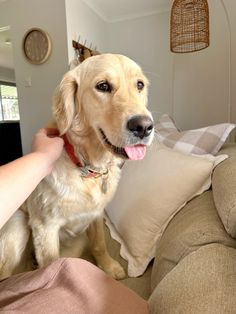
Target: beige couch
pixel 194 270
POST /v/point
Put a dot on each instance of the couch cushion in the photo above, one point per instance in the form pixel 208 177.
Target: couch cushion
pixel 196 225
pixel 150 193
pixel 224 189
pixel 142 284
pixel 203 282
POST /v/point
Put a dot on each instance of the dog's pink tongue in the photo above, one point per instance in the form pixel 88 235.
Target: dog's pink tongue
pixel 136 152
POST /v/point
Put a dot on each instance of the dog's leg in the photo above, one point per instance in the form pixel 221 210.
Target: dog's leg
pixel 14 237
pixel 99 250
pixel 46 242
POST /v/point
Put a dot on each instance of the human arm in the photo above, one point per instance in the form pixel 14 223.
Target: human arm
pixel 20 177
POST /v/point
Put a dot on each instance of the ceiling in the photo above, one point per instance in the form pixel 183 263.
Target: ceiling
pixel 112 11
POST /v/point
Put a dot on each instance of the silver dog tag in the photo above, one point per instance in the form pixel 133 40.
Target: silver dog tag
pixel 84 171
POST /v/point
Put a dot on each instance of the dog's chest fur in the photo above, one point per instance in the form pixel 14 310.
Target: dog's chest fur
pixel 69 201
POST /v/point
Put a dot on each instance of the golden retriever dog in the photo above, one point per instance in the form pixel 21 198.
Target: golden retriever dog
pixel 100 110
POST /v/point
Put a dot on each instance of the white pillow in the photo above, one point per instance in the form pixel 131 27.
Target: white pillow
pixel 150 193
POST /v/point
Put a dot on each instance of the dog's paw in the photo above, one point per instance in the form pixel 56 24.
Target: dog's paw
pixel 113 268
pixel 117 271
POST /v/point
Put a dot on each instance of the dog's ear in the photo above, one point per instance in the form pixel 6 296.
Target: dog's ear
pixel 65 101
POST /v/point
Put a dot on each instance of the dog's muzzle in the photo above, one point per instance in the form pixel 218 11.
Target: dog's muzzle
pixel 139 130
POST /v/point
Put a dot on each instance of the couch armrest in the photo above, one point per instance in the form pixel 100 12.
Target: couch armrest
pixel 196 225
pixel 203 282
pixel 224 189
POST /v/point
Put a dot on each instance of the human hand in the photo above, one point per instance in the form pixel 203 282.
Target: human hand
pixel 48 144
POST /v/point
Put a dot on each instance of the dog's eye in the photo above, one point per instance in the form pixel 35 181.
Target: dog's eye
pixel 140 85
pixel 104 87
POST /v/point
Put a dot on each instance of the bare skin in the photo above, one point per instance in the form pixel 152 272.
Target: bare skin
pixel 20 177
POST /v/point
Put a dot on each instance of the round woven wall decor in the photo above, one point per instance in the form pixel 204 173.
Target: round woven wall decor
pixel 189 26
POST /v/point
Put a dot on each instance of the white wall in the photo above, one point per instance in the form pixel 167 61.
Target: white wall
pixel 35 101
pixel 146 40
pixel 84 23
pixel 230 6
pixel 201 79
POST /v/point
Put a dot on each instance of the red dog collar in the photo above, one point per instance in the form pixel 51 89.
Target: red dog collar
pixel 71 152
pixel 86 172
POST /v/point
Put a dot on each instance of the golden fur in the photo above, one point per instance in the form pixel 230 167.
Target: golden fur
pixel 65 204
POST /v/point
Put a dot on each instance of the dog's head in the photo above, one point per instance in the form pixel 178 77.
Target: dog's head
pixel 108 94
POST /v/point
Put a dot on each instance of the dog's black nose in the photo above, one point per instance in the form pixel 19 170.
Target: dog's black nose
pixel 140 126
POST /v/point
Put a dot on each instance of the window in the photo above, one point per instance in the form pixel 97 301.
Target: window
pixel 9 109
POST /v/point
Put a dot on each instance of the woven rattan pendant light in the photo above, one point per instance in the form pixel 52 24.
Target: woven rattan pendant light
pixel 189 26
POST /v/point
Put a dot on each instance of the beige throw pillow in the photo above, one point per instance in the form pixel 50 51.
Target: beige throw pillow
pixel 150 193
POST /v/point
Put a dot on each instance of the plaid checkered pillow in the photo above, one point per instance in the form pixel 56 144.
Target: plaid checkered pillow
pixel 206 140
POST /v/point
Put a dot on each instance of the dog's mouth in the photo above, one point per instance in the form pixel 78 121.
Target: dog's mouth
pixel 135 152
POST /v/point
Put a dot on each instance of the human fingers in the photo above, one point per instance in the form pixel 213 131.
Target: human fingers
pixel 48 132
pixel 42 131
pixel 52 132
